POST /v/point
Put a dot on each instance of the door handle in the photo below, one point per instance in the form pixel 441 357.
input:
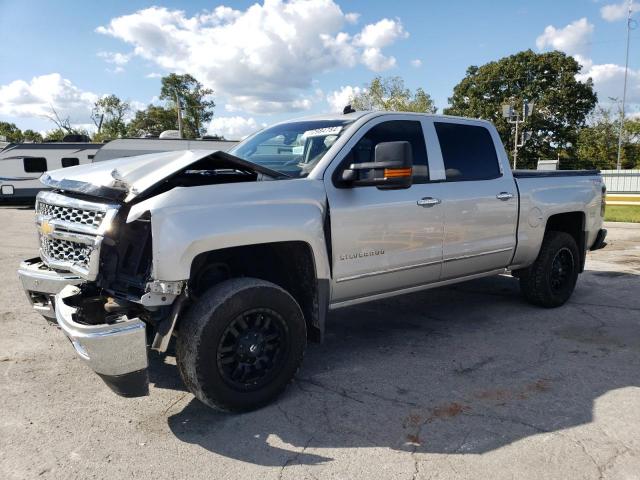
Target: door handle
pixel 504 196
pixel 429 202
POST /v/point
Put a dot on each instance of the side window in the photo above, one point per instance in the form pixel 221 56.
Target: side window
pixel 468 152
pixel 70 162
pixel 35 164
pixel 394 131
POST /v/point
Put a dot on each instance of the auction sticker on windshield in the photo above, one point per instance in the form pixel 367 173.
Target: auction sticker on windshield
pixel 321 132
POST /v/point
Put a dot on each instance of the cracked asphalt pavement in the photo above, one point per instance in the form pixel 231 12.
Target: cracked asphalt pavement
pixel 467 381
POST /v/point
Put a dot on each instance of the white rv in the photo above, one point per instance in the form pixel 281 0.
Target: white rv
pixel 22 164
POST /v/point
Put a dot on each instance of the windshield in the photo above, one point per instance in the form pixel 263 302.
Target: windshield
pixel 291 148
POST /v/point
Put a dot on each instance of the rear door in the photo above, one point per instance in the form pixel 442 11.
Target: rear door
pixel 480 201
pixel 383 240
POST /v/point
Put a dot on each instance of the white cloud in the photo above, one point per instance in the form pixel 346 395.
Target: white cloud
pixel 233 128
pixel 608 79
pixel 381 34
pixel 618 11
pixel 262 58
pixel 35 98
pixel 338 99
pixel 376 61
pixel 135 106
pixel 153 75
pixel 417 63
pixel 572 39
pixel 278 104
pixel 352 17
pixel 115 58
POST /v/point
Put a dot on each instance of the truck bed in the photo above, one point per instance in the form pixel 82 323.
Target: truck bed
pixel 554 173
pixel 545 193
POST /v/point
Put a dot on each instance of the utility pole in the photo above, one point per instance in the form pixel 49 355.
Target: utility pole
pixel 624 91
pixel 179 114
pixel 513 117
pixel 517 121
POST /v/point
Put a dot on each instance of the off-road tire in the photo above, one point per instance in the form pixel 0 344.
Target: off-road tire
pixel 204 327
pixel 537 282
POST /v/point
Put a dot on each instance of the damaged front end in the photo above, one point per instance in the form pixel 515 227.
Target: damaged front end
pixel 94 274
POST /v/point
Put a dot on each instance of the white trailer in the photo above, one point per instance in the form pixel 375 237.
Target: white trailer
pixel 22 164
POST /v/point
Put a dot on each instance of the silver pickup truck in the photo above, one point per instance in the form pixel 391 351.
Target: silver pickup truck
pixel 240 255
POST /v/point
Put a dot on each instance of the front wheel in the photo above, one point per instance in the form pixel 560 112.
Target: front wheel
pixel 241 344
pixel 550 281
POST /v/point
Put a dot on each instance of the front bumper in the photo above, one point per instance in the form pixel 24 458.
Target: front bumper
pixel 116 350
pixel 41 284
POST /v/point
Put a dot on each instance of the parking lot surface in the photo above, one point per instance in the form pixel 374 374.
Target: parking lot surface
pixel 467 381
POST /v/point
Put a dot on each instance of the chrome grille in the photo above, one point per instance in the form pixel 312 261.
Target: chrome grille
pixel 92 218
pixel 65 251
pixel 71 232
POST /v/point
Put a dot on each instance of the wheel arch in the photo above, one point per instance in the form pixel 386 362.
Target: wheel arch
pixel 572 223
pixel 291 265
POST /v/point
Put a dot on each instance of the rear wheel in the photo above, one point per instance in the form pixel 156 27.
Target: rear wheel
pixel 550 281
pixel 241 344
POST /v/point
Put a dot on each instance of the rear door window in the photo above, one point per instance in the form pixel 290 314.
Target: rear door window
pixel 468 152
pixel 35 164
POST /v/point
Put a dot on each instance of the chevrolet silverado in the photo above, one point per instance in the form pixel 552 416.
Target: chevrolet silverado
pixel 241 255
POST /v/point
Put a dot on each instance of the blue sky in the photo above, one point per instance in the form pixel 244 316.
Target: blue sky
pixel 272 60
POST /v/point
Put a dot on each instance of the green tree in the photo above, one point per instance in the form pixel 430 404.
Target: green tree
pixel 632 148
pixel 32 136
pixel 55 135
pixel 153 120
pixel 11 131
pixel 562 103
pixel 195 100
pixel 391 94
pixel 58 135
pixel 597 144
pixel 108 114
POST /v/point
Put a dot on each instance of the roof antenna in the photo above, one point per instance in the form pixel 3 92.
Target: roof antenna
pixel 348 109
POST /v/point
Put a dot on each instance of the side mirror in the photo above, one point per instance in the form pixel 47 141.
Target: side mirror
pixel 391 168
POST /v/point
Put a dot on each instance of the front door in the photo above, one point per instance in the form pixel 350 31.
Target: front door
pixel 384 240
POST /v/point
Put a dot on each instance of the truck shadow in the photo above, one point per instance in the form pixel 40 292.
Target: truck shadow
pixel 457 370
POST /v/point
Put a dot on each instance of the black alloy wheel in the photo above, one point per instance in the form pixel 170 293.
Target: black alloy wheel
pixel 241 343
pixel 252 348
pixel 550 281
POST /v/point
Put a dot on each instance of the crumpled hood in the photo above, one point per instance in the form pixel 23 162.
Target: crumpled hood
pixel 122 178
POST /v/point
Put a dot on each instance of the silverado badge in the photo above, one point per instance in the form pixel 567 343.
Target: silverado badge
pixel 366 253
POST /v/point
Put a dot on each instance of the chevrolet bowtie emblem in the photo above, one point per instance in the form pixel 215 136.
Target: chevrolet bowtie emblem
pixel 46 228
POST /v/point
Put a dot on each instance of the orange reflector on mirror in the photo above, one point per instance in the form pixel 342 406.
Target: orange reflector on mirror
pixel 397 172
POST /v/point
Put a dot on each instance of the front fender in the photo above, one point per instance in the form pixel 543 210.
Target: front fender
pixel 187 221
